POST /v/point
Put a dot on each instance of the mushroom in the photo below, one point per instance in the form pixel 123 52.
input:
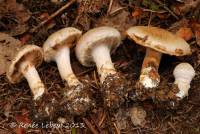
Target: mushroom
pixel 24 64
pixel 57 48
pixel 183 73
pixel 157 42
pixel 94 47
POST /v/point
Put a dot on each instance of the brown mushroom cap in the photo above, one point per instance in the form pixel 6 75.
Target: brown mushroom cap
pixel 66 36
pixel 159 39
pixel 97 36
pixel 31 53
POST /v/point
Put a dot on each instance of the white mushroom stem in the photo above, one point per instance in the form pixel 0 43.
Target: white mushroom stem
pixel 101 56
pixel 30 73
pixel 183 73
pixel 62 59
pixel 149 76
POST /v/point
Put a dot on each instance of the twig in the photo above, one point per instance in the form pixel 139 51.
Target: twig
pixel 92 118
pixel 110 6
pixel 102 119
pixel 166 8
pixel 52 16
pixel 92 129
pixel 116 128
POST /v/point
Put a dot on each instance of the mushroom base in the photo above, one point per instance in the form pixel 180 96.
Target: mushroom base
pixel 78 99
pixel 114 90
pixel 45 108
pixel 166 97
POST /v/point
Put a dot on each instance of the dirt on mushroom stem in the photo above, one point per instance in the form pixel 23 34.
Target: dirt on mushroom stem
pixel 77 99
pixel 45 108
pixel 114 90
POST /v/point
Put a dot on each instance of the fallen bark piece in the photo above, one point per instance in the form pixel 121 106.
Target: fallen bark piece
pixel 137 115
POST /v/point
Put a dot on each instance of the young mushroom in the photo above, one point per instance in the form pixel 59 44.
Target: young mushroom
pixel 24 64
pixel 94 47
pixel 183 73
pixel 157 42
pixel 57 48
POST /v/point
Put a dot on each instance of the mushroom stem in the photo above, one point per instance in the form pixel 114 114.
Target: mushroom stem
pixel 149 76
pixel 183 73
pixel 101 56
pixel 62 59
pixel 30 73
pixel 184 86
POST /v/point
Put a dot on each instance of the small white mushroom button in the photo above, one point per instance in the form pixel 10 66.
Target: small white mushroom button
pixel 183 73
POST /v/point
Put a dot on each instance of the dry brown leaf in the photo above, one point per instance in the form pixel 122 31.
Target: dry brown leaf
pixel 185 33
pixel 196 28
pixel 13 8
pixel 8 47
pixel 177 25
pixel 19 130
pixel 186 7
pixel 137 12
pixel 121 19
pixel 13 17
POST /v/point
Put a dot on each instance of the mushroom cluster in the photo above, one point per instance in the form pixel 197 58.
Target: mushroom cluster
pixel 94 48
pixel 157 42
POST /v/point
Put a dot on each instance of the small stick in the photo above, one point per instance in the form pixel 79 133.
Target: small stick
pixel 166 8
pixel 92 129
pixel 52 16
pixel 110 6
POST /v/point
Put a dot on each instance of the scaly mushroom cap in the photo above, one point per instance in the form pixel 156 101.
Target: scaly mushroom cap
pixel 66 36
pixel 159 39
pixel 102 35
pixel 31 53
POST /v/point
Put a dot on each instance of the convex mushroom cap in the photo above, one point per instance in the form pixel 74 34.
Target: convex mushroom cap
pixel 66 36
pixel 97 36
pixel 159 39
pixel 31 53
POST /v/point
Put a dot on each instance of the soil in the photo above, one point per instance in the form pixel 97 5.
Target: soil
pixel 15 113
